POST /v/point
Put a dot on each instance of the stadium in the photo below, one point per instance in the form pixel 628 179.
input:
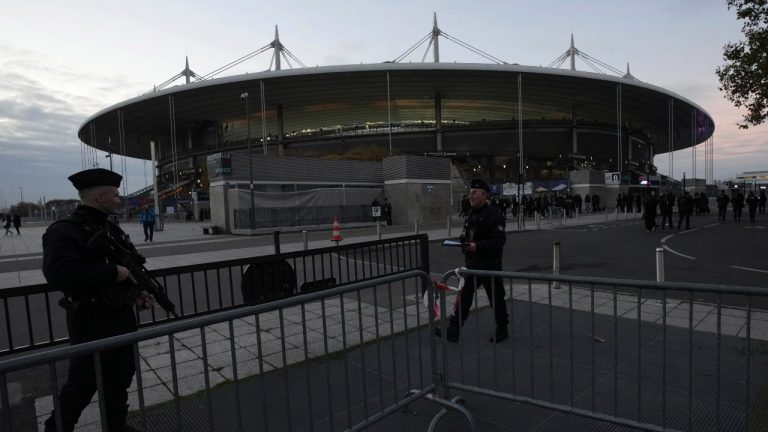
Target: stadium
pixel 330 139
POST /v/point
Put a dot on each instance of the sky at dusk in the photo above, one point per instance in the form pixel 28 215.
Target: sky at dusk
pixel 61 62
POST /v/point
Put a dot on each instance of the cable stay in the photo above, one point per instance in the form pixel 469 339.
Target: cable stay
pixel 595 64
pixel 433 37
pixel 413 48
pixel 473 49
pixel 236 62
pixel 279 52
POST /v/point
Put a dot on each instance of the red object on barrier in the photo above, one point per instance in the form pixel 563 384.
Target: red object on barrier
pixel 440 286
pixel 336 231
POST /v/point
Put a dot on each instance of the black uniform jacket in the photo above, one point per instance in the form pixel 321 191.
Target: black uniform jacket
pixel 68 263
pixel 486 227
pixel 85 275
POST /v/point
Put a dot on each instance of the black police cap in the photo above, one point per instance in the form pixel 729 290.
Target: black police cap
pixel 479 184
pixel 95 177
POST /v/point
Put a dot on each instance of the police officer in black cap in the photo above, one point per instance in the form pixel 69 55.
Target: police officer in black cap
pixel 482 239
pixel 97 300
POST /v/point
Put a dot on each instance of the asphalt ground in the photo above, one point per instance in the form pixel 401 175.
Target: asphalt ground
pixel 731 253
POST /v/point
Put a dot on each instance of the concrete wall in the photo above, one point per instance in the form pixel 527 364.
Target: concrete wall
pixel 419 188
pixel 219 202
pixel 592 182
pixel 422 201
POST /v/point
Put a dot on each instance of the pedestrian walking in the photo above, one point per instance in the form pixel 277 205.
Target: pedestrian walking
pixel 722 205
pixel 147 220
pixel 8 222
pixel 482 242
pixel 752 202
pixel 649 213
pixel 387 212
pixel 684 208
pixel 737 203
pixel 17 223
pixel 667 206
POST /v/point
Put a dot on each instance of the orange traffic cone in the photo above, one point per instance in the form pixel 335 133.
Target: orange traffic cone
pixel 336 231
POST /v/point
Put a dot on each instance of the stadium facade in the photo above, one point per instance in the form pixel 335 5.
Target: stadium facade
pixel 511 124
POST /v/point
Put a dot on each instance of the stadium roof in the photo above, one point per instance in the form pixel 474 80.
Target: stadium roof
pixel 329 95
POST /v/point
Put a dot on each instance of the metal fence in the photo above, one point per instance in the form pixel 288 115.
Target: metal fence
pixel 338 359
pixel 647 355
pixel 300 216
pixel 639 354
pixel 31 317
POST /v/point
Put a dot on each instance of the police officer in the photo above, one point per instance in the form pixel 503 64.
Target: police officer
pixel 483 241
pixel 98 301
pixel 722 205
pixel 684 208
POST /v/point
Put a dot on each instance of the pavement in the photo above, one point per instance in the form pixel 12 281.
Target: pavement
pixel 278 345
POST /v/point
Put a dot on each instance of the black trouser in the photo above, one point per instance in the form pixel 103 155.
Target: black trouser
pixel 667 215
pixel 721 211
pixel 737 213
pixel 752 212
pixel 684 215
pixel 494 289
pixel 88 323
pixel 149 230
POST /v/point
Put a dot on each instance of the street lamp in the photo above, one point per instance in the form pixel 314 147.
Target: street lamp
pixel 252 212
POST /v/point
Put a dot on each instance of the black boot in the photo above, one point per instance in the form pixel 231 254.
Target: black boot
pixel 500 334
pixel 452 332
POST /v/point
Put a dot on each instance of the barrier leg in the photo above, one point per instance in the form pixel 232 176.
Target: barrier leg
pixel 454 404
pixel 556 263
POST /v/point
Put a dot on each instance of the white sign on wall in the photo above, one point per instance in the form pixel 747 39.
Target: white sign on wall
pixel 612 178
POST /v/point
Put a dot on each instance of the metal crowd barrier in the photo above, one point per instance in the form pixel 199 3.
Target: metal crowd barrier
pixel 339 359
pixel 30 317
pixel 647 355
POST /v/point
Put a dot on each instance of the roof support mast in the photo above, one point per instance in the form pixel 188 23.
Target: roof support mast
pixel 278 49
pixel 572 51
pixel 436 39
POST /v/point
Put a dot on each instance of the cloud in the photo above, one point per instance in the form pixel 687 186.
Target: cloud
pixel 42 104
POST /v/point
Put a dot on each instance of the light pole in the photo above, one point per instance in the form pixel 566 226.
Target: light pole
pixel 109 155
pixel 21 199
pixel 683 182
pixel 252 212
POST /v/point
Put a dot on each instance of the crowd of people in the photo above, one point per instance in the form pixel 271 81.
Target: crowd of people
pixel 650 205
pixel 698 204
pixel 543 204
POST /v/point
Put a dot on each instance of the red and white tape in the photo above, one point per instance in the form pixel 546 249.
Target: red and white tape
pixel 439 286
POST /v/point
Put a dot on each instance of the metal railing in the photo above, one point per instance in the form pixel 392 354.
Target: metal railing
pixel 30 317
pixel 339 359
pixel 648 355
pixel 304 216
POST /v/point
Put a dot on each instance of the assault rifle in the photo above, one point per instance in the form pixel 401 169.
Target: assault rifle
pixel 122 252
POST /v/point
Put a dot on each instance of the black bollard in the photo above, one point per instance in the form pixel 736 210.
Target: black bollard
pixel 276 236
